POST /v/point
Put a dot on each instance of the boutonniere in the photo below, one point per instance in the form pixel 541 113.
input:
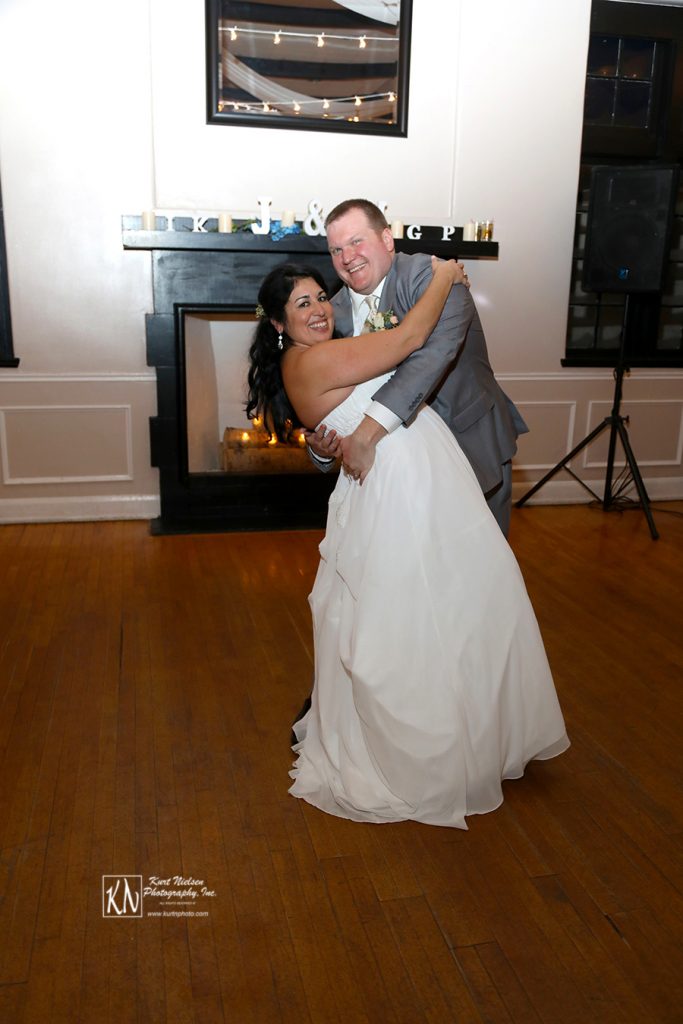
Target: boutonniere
pixel 382 321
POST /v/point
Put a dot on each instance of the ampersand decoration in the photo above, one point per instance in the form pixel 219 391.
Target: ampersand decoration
pixel 314 223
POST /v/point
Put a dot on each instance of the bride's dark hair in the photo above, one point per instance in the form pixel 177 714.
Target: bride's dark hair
pixel 267 397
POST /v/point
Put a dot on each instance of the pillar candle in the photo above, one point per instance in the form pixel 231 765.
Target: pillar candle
pixel 397 229
pixel 225 223
pixel 288 219
pixel 469 232
pixel 149 220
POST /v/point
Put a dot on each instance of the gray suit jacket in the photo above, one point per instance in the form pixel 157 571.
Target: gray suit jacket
pixel 451 371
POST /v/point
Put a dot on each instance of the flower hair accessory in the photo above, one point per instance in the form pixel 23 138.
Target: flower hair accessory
pixel 381 320
pixel 260 312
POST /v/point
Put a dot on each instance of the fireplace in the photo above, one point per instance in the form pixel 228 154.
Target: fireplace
pixel 216 471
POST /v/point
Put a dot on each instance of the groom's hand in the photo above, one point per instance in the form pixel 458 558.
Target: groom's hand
pixel 358 449
pixel 326 444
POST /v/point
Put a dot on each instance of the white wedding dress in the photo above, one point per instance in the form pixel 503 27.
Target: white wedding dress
pixel 431 680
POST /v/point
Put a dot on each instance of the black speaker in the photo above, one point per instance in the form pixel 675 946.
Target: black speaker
pixel 630 214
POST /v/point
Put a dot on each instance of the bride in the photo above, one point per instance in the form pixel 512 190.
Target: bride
pixel 431 680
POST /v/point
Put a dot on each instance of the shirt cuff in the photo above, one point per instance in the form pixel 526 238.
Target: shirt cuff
pixel 320 458
pixel 385 417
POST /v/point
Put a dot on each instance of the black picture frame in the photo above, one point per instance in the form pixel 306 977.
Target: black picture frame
pixel 230 102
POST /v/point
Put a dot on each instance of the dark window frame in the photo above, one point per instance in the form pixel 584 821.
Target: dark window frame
pixel 7 357
pixel 652 316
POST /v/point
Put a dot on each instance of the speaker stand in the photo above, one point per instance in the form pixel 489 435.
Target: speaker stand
pixel 616 424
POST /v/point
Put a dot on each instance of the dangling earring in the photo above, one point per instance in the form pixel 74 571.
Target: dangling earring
pixel 279 341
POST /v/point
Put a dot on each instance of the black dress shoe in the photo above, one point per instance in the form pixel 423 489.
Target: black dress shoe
pixel 306 706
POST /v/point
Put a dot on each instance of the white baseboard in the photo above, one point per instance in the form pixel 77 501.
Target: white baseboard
pixel 147 506
pixel 81 509
pixel 569 492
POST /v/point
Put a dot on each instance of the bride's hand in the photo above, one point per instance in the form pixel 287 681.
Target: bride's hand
pixel 454 268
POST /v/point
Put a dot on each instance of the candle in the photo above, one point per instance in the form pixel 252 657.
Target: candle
pixel 469 232
pixel 273 440
pixel 149 220
pixel 288 219
pixel 224 223
pixel 397 229
pixel 245 437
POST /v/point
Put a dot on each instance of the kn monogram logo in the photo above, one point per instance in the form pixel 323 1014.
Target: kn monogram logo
pixel 121 895
pixel 174 896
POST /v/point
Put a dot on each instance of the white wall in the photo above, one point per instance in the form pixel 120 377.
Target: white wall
pixel 102 112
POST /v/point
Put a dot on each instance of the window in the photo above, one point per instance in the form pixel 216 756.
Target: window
pixel 633 116
pixel 619 82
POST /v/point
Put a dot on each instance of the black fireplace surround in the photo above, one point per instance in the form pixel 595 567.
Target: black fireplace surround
pixel 208 272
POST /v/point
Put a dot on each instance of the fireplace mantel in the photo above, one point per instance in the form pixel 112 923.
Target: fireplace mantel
pixel 207 271
pixel 247 242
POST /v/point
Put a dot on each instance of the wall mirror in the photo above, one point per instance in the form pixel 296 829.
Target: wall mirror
pixel 323 65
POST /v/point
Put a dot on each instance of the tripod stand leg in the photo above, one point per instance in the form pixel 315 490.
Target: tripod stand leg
pixel 637 478
pixel 560 465
pixel 615 423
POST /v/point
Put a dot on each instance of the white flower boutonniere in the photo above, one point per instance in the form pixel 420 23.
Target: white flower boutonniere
pixel 382 321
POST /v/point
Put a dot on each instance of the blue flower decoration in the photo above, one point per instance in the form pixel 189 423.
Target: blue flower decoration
pixel 277 232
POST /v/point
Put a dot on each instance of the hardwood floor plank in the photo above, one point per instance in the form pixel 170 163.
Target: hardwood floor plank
pixel 418 952
pixel 287 981
pixel 12 1002
pixel 507 984
pixel 608 990
pixel 504 892
pixel 485 993
pixel 309 946
pixel 373 994
pixel 332 950
pixel 656 966
pixel 390 964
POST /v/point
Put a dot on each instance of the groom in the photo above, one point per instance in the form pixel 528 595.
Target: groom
pixel 451 371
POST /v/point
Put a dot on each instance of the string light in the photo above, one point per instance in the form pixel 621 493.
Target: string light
pixel 322 38
pixel 275 106
pixel 284 100
pixel 276 39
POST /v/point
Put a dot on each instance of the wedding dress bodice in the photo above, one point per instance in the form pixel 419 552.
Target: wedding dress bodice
pixel 346 416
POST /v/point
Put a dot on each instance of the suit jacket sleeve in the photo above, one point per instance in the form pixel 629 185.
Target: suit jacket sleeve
pixel 419 375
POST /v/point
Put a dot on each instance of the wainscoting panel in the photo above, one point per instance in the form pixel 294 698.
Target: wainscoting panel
pixel 655 430
pixel 65 444
pixel 551 428
pixel 75 446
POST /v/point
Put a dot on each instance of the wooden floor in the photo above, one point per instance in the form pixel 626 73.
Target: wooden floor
pixel 147 686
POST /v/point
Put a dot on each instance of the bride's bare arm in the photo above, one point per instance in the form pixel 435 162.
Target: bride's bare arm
pixel 343 362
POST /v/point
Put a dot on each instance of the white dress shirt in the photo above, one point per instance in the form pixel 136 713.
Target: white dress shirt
pixel 385 417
